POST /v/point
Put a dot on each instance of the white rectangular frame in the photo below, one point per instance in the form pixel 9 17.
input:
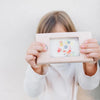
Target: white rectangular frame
pixel 45 58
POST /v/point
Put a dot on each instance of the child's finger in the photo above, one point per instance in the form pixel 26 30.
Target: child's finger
pixel 33 52
pixel 36 43
pixel 87 46
pixel 28 57
pixel 40 48
pixel 92 55
pixel 89 50
pixel 31 60
pixel 90 41
pixel 33 64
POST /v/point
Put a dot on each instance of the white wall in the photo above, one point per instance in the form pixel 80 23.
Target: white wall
pixel 18 22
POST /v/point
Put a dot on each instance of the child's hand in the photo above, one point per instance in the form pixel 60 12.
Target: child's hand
pixel 91 48
pixel 33 53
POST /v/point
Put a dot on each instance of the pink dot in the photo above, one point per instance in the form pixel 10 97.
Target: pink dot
pixel 59 50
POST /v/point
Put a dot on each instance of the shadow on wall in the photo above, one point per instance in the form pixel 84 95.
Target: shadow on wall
pixel 83 95
pixel 95 93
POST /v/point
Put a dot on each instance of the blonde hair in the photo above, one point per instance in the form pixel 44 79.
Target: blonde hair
pixel 52 18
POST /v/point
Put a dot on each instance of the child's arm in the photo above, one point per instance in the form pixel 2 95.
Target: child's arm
pixel 34 83
pixel 91 49
pixel 86 81
pixel 90 68
pixel 88 76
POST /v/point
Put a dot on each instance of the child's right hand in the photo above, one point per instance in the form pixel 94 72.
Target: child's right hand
pixel 33 53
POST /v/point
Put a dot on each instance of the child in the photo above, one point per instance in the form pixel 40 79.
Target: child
pixel 60 81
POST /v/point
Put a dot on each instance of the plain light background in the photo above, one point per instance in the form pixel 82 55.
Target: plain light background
pixel 18 23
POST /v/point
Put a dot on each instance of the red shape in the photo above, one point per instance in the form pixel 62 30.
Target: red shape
pixel 64 50
pixel 59 50
pixel 69 51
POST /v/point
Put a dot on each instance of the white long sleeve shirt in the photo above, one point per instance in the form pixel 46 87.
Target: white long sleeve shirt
pixel 60 82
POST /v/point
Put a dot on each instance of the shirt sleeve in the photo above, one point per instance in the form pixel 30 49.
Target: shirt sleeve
pixel 85 81
pixel 34 83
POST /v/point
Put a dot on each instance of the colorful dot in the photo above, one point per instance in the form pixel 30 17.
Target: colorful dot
pixel 61 43
pixel 71 43
pixel 68 51
pixel 59 50
pixel 64 50
pixel 65 46
pixel 68 42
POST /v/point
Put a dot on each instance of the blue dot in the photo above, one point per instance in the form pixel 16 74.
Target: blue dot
pixel 65 46
pixel 68 42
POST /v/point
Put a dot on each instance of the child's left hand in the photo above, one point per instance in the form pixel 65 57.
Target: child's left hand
pixel 91 49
